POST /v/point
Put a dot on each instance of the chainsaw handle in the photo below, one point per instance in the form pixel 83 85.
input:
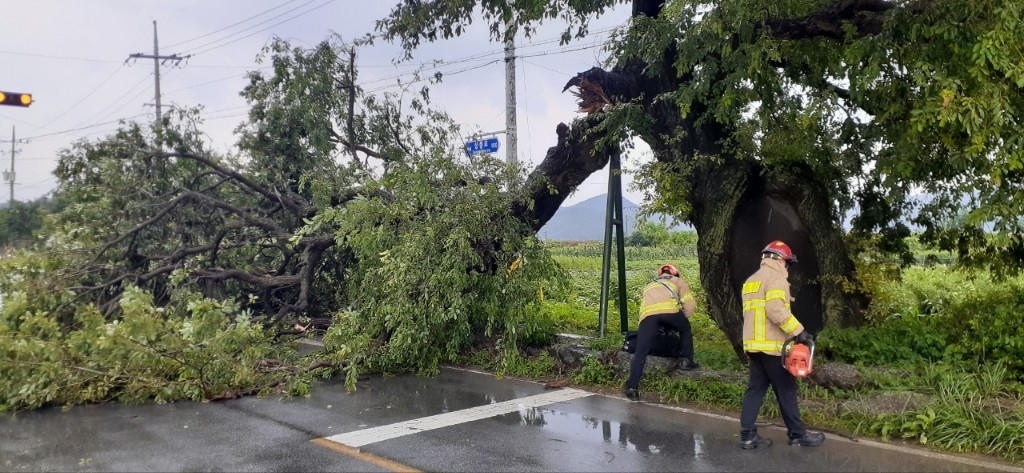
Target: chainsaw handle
pixel 787 346
pixel 792 341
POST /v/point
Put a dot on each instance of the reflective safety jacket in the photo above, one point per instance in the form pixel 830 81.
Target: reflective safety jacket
pixel 767 319
pixel 667 295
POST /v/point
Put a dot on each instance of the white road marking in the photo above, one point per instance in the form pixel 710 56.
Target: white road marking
pixel 363 437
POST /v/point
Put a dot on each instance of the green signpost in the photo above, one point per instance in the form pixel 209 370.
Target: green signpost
pixel 614 218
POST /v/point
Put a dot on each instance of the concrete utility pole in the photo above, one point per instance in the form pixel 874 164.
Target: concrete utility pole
pixel 157 58
pixel 14 141
pixel 511 154
pixel 9 175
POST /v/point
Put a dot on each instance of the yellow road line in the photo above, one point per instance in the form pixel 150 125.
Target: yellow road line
pixel 366 457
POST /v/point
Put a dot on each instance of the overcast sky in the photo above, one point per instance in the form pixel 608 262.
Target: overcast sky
pixel 72 55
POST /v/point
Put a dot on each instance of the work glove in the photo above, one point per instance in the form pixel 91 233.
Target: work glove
pixel 805 337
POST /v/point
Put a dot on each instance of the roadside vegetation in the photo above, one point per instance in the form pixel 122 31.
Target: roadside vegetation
pixel 942 357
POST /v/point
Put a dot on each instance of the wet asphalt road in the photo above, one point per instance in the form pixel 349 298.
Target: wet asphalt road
pixel 589 432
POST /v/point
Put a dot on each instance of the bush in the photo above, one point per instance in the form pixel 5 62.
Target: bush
pixel 987 328
pixel 899 340
pixel 204 349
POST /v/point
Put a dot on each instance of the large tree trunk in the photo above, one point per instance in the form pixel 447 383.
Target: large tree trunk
pixel 738 209
pixel 736 206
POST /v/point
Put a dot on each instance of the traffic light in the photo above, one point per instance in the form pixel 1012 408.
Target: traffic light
pixel 16 99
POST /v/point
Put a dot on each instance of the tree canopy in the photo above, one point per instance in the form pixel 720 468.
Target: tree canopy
pixel 909 110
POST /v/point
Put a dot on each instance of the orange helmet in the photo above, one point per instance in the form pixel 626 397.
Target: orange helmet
pixel 668 268
pixel 781 250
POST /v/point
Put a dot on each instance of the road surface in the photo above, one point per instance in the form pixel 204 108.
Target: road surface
pixel 458 421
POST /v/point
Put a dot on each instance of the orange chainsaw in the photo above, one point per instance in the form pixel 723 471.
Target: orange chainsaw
pixel 798 358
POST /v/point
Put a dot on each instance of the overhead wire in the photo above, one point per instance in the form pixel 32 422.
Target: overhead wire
pixel 122 102
pixel 435 65
pixel 66 58
pixel 93 91
pixel 264 12
pixel 64 132
pixel 204 48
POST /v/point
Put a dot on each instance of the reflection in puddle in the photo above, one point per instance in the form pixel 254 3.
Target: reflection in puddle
pixel 629 437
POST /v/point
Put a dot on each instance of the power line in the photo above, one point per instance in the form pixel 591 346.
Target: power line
pixel 62 132
pixel 67 58
pixel 125 95
pixel 421 79
pixel 207 83
pixel 104 81
pixel 200 49
pixel 437 65
pixel 231 25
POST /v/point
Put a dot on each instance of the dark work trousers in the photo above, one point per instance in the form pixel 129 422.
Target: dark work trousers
pixel 645 334
pixel 767 370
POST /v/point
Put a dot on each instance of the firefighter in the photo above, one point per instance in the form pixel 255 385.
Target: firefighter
pixel 767 323
pixel 667 303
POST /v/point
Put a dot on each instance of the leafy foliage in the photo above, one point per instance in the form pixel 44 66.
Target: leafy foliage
pixel 896 341
pixel 429 276
pixel 174 273
pixel 194 349
pixel 20 222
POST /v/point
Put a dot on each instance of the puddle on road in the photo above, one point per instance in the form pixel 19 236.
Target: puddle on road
pixel 630 437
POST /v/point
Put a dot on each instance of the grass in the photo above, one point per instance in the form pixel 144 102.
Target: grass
pixel 958 405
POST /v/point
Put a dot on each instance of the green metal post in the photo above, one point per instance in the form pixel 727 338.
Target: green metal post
pixel 606 259
pixel 613 217
pixel 620 237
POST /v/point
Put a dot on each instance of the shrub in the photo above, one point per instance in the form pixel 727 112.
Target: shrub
pixel 899 340
pixel 198 350
pixel 987 328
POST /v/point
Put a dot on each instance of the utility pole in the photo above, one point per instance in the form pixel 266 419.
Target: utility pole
pixel 9 175
pixel 14 141
pixel 157 58
pixel 511 154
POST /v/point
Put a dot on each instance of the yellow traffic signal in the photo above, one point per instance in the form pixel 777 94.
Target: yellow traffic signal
pixel 16 99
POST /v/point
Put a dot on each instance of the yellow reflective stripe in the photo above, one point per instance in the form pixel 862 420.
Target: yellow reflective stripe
pixel 753 304
pixel 687 297
pixel 776 294
pixel 762 345
pixel 659 307
pixel 751 287
pixel 759 324
pixel 757 306
pixel 790 325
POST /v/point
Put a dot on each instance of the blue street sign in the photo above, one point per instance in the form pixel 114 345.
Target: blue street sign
pixel 487 145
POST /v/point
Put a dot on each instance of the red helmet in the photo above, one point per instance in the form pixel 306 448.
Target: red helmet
pixel 668 268
pixel 780 249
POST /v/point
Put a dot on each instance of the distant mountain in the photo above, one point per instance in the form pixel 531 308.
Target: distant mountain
pixel 586 220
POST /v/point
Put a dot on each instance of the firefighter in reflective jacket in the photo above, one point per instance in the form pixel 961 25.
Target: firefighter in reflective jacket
pixel 767 323
pixel 668 303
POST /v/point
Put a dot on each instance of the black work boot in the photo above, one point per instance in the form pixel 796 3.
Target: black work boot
pixel 633 394
pixel 687 364
pixel 809 439
pixel 753 440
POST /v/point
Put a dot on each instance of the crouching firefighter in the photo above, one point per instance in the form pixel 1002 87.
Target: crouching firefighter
pixel 767 323
pixel 668 303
